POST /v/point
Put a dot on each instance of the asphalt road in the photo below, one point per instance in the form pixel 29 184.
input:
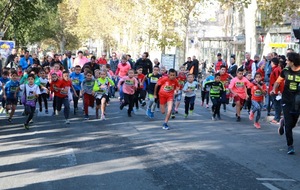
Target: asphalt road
pixel 136 153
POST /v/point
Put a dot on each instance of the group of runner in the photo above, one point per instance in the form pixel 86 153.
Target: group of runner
pixel 138 82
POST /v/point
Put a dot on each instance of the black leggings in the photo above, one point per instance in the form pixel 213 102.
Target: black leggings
pixel 205 96
pixel 216 106
pixel 43 97
pixel 129 100
pixel 30 112
pixel 290 121
pixel 75 99
pixel 189 104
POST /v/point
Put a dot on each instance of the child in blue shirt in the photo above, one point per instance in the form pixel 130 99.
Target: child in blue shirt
pixel 76 77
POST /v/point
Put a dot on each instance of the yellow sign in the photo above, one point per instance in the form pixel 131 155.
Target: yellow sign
pixel 278 45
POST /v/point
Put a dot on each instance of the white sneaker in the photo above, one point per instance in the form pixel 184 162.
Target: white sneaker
pixel 67 121
pixel 103 117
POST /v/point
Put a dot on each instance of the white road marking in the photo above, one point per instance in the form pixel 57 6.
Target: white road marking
pixel 274 179
pixel 70 157
pixel 270 186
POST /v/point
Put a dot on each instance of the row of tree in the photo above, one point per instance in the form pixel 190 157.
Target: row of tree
pixel 121 24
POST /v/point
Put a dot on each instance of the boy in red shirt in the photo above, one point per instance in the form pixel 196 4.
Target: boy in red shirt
pixel 168 86
pixel 258 91
pixel 61 89
pixel 181 78
pixel 140 93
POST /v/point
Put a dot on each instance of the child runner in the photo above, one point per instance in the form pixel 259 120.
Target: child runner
pixel 100 91
pixel 56 69
pixel 10 94
pixel 216 90
pixel 190 95
pixel 77 77
pixel 122 70
pixel 31 92
pixel 248 102
pixel 44 92
pixel 61 89
pixel 4 79
pixel 152 80
pixel 130 85
pixel 205 91
pixel 140 94
pixel 238 88
pixel 168 86
pixel 87 89
pixel 258 90
pixel 227 92
pixel 181 78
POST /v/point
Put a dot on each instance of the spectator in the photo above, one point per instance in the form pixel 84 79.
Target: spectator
pixel 145 63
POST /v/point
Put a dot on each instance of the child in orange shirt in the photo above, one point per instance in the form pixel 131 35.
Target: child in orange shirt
pixel 258 91
pixel 168 86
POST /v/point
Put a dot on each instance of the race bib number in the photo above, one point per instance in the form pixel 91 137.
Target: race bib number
pixel 75 82
pixel 89 83
pixel 13 88
pixel 239 84
pixel 257 93
pixel 30 98
pixel 153 80
pixel 129 82
pixel 168 88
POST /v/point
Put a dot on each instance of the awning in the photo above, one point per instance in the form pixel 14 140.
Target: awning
pixel 278 45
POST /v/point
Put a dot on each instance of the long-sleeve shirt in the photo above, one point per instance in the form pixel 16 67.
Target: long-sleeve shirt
pixel 216 88
pixel 102 84
pixel 87 86
pixel 190 86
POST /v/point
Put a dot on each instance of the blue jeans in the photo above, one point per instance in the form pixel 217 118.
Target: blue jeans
pixel 256 107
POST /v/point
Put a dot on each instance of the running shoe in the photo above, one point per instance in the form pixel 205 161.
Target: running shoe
pixel 41 109
pixel 148 112
pixel 165 126
pixel 143 103
pixel 67 121
pixel 151 115
pixel 191 112
pixel 173 115
pixel 238 118
pixel 26 126
pixel 207 106
pixel 185 115
pixel 291 150
pixel 86 117
pixel 129 114
pixel 121 106
pixel 257 125
pixel 46 111
pixel 281 127
pixel 274 122
pixel 103 117
pixel 251 116
pixel 9 120
pixel 213 118
pixel 219 117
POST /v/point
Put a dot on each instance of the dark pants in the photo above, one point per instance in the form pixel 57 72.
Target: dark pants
pixel 139 95
pixel 189 103
pixel 30 112
pixel 290 121
pixel 216 101
pixel 270 104
pixel 54 104
pixel 205 96
pixel 75 99
pixel 277 107
pixel 63 101
pixel 128 100
pixel 43 97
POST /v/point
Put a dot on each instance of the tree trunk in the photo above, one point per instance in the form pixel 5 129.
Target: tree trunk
pixel 62 44
pixel 250 28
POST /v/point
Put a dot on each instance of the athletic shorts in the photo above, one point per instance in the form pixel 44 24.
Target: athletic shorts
pixel 11 101
pixel 239 99
pixel 98 100
pixel 164 99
